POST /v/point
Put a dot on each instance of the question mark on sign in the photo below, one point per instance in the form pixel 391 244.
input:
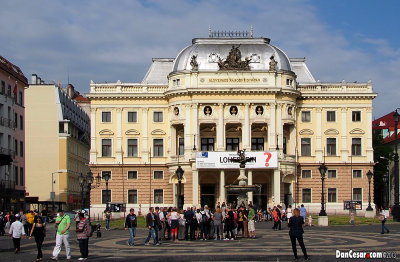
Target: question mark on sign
pixel 268 154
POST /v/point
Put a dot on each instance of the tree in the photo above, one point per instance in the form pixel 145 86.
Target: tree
pixel 383 154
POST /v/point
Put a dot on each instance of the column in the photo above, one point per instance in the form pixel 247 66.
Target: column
pixel 319 149
pixel 118 148
pixel 196 126
pixel 246 133
pixel 222 195
pixel 220 128
pixel 172 141
pixel 368 131
pixel 250 182
pixel 272 128
pixel 145 137
pixel 343 135
pixel 195 189
pixel 93 136
pixel 187 133
pixel 277 187
pixel 279 126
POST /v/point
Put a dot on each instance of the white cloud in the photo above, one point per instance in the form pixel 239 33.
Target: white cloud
pixel 107 41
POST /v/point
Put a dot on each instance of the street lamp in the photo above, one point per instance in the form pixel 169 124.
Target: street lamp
pixel 52 193
pixel 106 177
pixel 179 173
pixel 322 169
pixel 396 207
pixel 369 176
pixel 385 197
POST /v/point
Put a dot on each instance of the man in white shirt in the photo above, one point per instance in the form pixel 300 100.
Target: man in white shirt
pixel 16 232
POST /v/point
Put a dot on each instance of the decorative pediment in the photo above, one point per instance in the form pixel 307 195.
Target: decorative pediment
pixel 306 132
pixel 132 132
pixel 331 131
pixel 106 132
pixel 357 131
pixel 158 132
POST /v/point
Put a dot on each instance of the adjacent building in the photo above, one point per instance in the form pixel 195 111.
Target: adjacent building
pixel 57 145
pixel 12 136
pixel 220 94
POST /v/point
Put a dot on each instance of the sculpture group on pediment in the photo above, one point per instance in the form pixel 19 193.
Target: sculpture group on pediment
pixel 234 61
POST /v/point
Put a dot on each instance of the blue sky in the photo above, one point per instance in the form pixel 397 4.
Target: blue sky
pixel 115 40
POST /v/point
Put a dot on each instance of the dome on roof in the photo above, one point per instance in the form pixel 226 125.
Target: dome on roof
pixel 255 52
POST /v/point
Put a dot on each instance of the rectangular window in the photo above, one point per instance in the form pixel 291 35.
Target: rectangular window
pixel 207 144
pixel 106 147
pixel 132 117
pixel 16 146
pixel 232 144
pixel 132 147
pixel 21 122
pixel 331 173
pixel 158 174
pixel 21 99
pixel 332 195
pixel 257 144
pixel 16 120
pixel 284 145
pixel 21 148
pixel 356 146
pixel 331 146
pixel 158 146
pixel 158 196
pixel 9 90
pixel 306 146
pixel 305 116
pixel 16 175
pixel 356 116
pixel 106 117
pixel 357 194
pixel 105 196
pixel 132 196
pixel 132 174
pixel 305 173
pixel 157 116
pixel 105 173
pixel 357 174
pixel 3 87
pixel 181 149
pixel 21 176
pixel 306 195
pixel 330 116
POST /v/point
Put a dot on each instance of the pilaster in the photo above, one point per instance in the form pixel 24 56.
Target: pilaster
pixel 145 137
pixel 220 128
pixel 319 149
pixel 93 136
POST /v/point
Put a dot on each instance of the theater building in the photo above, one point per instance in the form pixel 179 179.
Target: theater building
pixel 220 94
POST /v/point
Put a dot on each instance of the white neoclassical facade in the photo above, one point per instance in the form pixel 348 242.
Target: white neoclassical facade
pixel 218 95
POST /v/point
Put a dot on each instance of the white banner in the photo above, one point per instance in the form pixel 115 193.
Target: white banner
pixel 224 160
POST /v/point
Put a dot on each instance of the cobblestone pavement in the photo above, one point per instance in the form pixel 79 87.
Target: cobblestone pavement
pixel 270 245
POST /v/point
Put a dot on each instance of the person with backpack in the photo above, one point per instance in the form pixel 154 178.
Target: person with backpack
pixel 83 232
pixel 131 224
pixel 205 221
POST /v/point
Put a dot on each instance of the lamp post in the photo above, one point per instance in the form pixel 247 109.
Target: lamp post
pixel 322 169
pixel 396 207
pixel 179 173
pixel 52 193
pixel 106 177
pixel 369 176
pixel 385 197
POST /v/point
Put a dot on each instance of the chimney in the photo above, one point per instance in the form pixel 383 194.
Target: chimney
pixel 38 81
pixel 71 90
pixel 33 79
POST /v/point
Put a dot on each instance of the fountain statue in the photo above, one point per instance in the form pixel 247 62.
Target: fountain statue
pixel 242 188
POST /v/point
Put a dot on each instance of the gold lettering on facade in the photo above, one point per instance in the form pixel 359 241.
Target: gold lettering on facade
pixel 234 80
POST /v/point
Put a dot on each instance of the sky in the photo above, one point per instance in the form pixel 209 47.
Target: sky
pixel 106 41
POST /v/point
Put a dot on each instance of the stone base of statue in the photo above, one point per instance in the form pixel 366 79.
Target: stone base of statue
pixel 323 221
pixel 370 213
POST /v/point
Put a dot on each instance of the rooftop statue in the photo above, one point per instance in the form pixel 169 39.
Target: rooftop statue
pixel 194 64
pixel 234 61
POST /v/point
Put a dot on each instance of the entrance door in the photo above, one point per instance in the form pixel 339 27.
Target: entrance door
pixel 207 192
pixel 260 198
pixel 288 200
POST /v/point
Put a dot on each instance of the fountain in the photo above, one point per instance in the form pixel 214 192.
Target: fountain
pixel 242 188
